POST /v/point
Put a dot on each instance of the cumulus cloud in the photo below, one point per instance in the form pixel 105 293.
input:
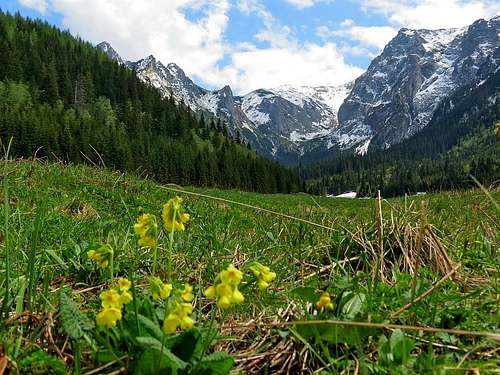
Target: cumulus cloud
pixel 432 14
pixel 301 4
pixel 38 5
pixel 368 36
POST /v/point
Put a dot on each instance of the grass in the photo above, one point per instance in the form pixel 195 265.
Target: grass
pixel 53 213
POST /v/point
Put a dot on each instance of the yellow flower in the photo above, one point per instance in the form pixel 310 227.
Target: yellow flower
pixel 101 255
pixel 263 274
pixel 179 317
pixel 165 291
pixel 110 299
pixel 237 297
pixel 173 215
pixel 125 297
pixel 324 302
pixel 186 294
pixel 147 229
pixel 224 302
pixel 231 275
pixel 124 284
pixel 108 317
pixel 155 287
pixel 187 322
pixel 171 323
pixel 210 292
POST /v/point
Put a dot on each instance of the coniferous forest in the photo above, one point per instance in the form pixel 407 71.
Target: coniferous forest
pixel 63 99
pixel 462 141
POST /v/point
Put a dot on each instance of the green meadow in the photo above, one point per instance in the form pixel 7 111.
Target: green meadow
pixel 414 282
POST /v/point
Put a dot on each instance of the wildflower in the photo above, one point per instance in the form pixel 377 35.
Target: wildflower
pixel 108 317
pixel 158 288
pixel 147 229
pixel 179 316
pixel 171 323
pixel 165 291
pixel 125 297
pixel 187 294
pixel 226 292
pixel 231 275
pixel 110 299
pixel 101 256
pixel 173 215
pixel 263 274
pixel 324 302
pixel 124 284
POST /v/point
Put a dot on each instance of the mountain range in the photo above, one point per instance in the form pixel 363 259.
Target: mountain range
pixel 392 101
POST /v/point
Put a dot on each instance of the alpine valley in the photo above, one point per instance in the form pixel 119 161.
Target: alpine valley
pixel 392 101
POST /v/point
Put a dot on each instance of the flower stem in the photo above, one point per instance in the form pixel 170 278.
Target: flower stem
pixel 171 245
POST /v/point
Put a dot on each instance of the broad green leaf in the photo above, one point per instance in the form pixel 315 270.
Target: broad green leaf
pixel 306 294
pixel 353 306
pixel 219 363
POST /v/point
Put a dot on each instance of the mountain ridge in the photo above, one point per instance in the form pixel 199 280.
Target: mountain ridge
pixel 393 100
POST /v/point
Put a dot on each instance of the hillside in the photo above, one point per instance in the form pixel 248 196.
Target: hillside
pixel 63 99
pixel 55 213
pixel 459 141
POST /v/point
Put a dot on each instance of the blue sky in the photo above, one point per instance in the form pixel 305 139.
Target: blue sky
pixel 252 44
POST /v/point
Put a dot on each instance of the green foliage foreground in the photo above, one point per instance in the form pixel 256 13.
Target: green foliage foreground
pixel 329 303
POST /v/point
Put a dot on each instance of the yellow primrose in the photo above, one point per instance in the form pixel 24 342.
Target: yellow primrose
pixel 263 274
pixel 231 275
pixel 165 291
pixel 108 317
pixel 187 294
pixel 179 317
pixel 210 292
pixel 124 284
pixel 125 297
pixel 171 323
pixel 110 298
pixel 173 215
pixel 324 302
pixel 237 297
pixel 101 255
pixel 147 229
pixel 155 287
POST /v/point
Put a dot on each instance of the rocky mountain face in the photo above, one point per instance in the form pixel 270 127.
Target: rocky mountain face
pixel 399 93
pixel 278 123
pixel 393 100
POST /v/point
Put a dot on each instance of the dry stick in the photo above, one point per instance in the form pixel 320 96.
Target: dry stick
pixel 330 266
pixel 426 293
pixel 457 332
pixel 418 250
pixel 255 208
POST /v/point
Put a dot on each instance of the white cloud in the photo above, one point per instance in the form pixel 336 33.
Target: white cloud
pixel 309 64
pixel 432 14
pixel 198 44
pixel 301 4
pixel 139 28
pixel 368 36
pixel 38 5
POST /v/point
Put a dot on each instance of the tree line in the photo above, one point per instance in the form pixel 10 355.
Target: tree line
pixel 64 99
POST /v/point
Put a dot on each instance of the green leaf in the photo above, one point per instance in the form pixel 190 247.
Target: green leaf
pixel 218 363
pixel 187 345
pixel 353 306
pixel 152 328
pixel 152 362
pixel 333 333
pixel 401 347
pixel 73 321
pixel 306 294
pixel 148 343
